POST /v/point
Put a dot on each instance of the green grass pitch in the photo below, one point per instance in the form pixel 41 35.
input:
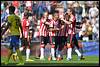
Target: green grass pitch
pixel 89 60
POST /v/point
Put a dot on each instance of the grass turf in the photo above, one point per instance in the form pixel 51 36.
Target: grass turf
pixel 89 60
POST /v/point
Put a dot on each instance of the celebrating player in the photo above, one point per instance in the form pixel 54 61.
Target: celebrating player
pixel 71 39
pixel 52 34
pixel 25 41
pixel 43 34
pixel 55 35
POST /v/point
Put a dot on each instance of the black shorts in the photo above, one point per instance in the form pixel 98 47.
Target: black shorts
pixel 74 41
pixel 63 40
pixel 24 42
pixel 60 42
pixel 44 40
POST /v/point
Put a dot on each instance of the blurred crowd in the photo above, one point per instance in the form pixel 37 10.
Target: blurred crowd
pixel 86 13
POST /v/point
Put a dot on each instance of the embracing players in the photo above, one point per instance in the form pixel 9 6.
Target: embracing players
pixel 71 38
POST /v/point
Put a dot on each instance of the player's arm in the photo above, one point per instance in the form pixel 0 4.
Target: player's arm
pixel 67 22
pixel 5 26
pixel 46 23
pixel 51 27
pixel 62 26
pixel 54 29
pixel 20 26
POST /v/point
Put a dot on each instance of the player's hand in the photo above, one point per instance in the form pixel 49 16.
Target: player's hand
pixel 2 36
pixel 28 38
pixel 20 35
pixel 52 29
pixel 57 29
pixel 44 20
pixel 62 19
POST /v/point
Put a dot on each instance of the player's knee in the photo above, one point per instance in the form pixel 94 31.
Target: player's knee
pixel 69 45
pixel 23 47
pixel 28 47
pixel 53 46
pixel 65 46
pixel 80 45
pixel 42 45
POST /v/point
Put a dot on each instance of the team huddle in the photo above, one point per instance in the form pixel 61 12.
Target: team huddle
pixel 58 31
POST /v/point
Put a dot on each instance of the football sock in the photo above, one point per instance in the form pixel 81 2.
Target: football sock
pixel 27 53
pixel 21 48
pixel 52 52
pixel 77 51
pixel 42 52
pixel 59 53
pixel 19 55
pixel 69 51
pixel 9 55
pixel 81 50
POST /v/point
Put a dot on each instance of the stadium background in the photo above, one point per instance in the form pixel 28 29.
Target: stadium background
pixel 91 48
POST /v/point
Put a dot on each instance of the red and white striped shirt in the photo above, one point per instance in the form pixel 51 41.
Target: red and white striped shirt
pixel 71 27
pixel 25 27
pixel 52 33
pixel 43 29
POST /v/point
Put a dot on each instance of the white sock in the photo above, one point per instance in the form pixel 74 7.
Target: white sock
pixel 69 52
pixel 52 52
pixel 59 53
pixel 77 51
pixel 42 52
pixel 27 53
pixel 21 48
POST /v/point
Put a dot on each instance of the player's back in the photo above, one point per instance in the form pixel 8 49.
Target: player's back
pixel 14 24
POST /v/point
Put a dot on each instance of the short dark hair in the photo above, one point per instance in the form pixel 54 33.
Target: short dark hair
pixel 5 4
pixel 72 10
pixel 26 14
pixel 56 11
pixel 11 9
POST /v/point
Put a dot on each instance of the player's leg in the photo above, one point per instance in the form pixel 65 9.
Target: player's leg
pixel 81 49
pixel 56 46
pixel 80 46
pixel 76 47
pixel 19 56
pixel 21 48
pixel 10 51
pixel 69 48
pixel 60 46
pixel 63 39
pixel 42 48
pixel 14 55
pixel 22 44
pixel 46 42
pixel 27 44
pixel 16 45
pixel 53 48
